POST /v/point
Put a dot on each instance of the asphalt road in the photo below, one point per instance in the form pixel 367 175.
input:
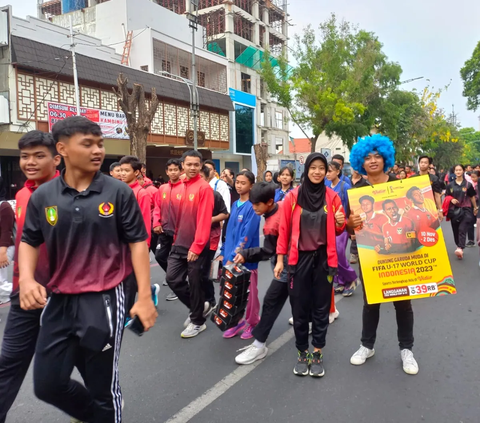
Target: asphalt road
pixel 197 380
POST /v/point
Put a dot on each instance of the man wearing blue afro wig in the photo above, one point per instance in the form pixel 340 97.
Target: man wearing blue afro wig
pixel 373 143
pixel 372 156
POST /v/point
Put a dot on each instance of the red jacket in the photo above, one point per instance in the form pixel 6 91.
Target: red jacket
pixel 152 192
pixel 192 229
pixel 289 234
pixel 167 206
pixel 42 272
pixel 446 206
pixel 143 198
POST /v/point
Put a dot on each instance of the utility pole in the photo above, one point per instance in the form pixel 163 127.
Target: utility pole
pixel 74 64
pixel 193 18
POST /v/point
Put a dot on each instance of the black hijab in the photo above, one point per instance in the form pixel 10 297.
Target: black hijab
pixel 311 196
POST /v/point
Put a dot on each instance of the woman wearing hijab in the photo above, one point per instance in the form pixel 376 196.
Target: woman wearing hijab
pixel 311 218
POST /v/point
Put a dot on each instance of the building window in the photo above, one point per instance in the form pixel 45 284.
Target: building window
pixel 262 115
pixel 184 72
pixel 201 79
pixel 244 129
pixel 144 68
pixel 246 83
pixel 279 120
pixel 166 66
pixel 278 145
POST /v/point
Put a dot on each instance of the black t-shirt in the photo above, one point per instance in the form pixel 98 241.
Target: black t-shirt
pixel 219 207
pixel 87 234
pixel 462 192
pixel 437 185
pixel 313 230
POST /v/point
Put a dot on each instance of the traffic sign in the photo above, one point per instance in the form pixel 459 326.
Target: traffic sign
pixel 301 160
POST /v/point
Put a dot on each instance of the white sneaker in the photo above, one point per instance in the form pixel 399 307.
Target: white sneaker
pixel 333 316
pixel 361 355
pixel 410 365
pixel 187 321
pixel 207 309
pixel 193 330
pixel 459 253
pixel 290 321
pixel 251 354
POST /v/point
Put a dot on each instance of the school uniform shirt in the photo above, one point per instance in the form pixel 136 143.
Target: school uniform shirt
pixel 313 229
pixel 223 189
pixel 242 232
pixel 461 192
pixel 194 220
pixel 280 194
pixel 143 198
pixel 219 207
pixel 341 189
pixel 343 178
pixel 152 191
pixel 271 230
pixel 167 206
pixel 87 234
pixel 42 272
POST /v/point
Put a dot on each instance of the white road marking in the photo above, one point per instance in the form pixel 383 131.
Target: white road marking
pixel 216 391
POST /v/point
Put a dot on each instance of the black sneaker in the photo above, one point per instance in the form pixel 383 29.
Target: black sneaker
pixel 316 364
pixel 303 362
pixel 172 296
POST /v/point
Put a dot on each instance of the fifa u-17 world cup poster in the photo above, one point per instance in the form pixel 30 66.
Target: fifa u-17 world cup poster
pixel 400 244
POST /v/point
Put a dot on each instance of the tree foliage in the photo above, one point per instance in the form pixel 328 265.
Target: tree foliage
pixel 471 141
pixel 339 82
pixel 470 74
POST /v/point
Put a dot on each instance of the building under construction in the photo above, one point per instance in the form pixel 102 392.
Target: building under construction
pixel 238 30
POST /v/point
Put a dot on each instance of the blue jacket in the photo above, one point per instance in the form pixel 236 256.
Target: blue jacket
pixel 242 232
pixel 343 178
pixel 280 195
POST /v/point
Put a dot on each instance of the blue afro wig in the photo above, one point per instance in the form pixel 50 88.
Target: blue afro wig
pixel 379 143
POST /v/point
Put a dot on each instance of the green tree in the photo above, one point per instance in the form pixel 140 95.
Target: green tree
pixel 470 74
pixel 471 140
pixel 338 84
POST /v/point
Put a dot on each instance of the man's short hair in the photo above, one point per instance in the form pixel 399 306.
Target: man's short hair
pixel 339 157
pixel 366 197
pixel 387 202
pixel 425 157
pixel 211 163
pixel 192 153
pixel 70 126
pixel 37 139
pixel 262 192
pixel 114 165
pixel 132 161
pixel 174 162
pixel 205 170
pixel 410 192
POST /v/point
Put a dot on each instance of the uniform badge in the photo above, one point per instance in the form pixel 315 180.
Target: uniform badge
pixel 164 195
pixel 19 212
pixel 179 196
pixel 399 231
pixel 51 213
pixel 191 197
pixel 325 208
pixel 106 209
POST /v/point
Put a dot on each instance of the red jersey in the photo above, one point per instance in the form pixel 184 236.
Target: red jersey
pixel 397 232
pixel 143 199
pixel 167 206
pixel 192 228
pixel 42 272
pixel 152 192
pixel 422 218
pixel 371 234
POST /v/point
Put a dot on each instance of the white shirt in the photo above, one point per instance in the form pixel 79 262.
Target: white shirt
pixel 222 188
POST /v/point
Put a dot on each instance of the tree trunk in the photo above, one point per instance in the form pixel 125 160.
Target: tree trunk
pixel 139 113
pixel 261 157
pixel 313 143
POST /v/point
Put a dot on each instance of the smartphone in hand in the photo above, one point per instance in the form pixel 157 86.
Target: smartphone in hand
pixel 136 326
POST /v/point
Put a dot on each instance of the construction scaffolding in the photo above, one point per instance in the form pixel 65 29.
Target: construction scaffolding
pixel 178 62
pixel 243 27
pixel 177 6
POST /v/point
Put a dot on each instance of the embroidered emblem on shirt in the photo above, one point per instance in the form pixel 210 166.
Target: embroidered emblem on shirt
pixel 191 197
pixel 179 196
pixel 325 208
pixel 399 231
pixel 19 212
pixel 51 213
pixel 106 209
pixel 164 195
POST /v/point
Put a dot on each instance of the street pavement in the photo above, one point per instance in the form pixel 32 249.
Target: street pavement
pixel 166 378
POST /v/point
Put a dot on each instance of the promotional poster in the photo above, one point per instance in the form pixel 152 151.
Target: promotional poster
pixel 113 124
pixel 400 244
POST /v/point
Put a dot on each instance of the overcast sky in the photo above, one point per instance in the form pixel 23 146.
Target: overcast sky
pixel 429 38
